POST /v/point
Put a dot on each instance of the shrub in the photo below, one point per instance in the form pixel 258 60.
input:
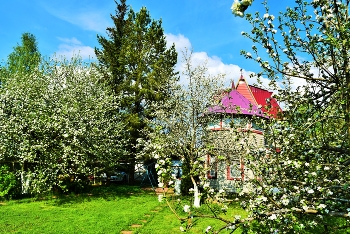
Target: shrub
pixel 7 181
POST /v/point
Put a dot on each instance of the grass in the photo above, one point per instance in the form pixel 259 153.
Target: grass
pixel 105 210
pixel 99 212
pixel 171 224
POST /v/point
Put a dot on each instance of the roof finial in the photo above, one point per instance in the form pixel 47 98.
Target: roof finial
pixel 241 74
pixel 233 85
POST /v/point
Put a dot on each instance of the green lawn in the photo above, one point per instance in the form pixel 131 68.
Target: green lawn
pixel 105 210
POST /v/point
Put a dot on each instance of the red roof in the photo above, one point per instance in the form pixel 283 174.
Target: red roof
pixel 264 98
pixel 247 100
pixel 260 97
pixel 243 88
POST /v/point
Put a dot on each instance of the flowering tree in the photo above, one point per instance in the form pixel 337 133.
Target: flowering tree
pixel 183 133
pixel 305 170
pixel 301 178
pixel 181 126
pixel 57 124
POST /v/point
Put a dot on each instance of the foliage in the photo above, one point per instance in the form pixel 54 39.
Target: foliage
pixel 306 180
pixel 301 177
pixel 181 126
pixel 25 56
pixel 7 181
pixel 58 123
pixel 137 66
pixel 239 6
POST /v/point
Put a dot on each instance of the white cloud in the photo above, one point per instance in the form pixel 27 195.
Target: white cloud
pixel 72 40
pixel 181 42
pixel 88 19
pixel 214 64
pixel 297 82
pixel 73 47
pixel 93 21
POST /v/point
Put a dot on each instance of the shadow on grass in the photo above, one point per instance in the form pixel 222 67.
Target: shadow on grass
pixel 108 193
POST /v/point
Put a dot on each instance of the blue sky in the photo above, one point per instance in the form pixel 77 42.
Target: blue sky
pixel 70 26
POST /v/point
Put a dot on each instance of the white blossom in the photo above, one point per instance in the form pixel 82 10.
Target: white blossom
pixel 187 208
pixel 285 201
pixel 321 206
pixel 208 229
pixel 310 191
pixel 160 197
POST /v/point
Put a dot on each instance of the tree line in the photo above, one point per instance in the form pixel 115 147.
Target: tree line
pixel 63 119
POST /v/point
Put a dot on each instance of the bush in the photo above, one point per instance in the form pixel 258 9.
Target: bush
pixel 7 181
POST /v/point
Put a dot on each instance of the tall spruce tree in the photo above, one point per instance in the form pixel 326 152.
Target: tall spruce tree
pixel 138 66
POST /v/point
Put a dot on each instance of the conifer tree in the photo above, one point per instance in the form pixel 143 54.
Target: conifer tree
pixel 138 66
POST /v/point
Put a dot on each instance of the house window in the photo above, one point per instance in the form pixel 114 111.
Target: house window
pixel 176 169
pixel 235 171
pixel 212 167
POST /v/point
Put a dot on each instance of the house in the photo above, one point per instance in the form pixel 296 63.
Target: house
pixel 234 129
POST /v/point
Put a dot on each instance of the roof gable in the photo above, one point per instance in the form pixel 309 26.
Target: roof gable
pixel 244 89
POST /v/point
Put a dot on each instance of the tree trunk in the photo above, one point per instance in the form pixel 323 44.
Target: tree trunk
pixel 131 172
pixel 197 199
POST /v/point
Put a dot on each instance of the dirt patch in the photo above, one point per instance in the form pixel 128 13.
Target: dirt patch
pixel 126 232
pixel 164 190
pixel 136 225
